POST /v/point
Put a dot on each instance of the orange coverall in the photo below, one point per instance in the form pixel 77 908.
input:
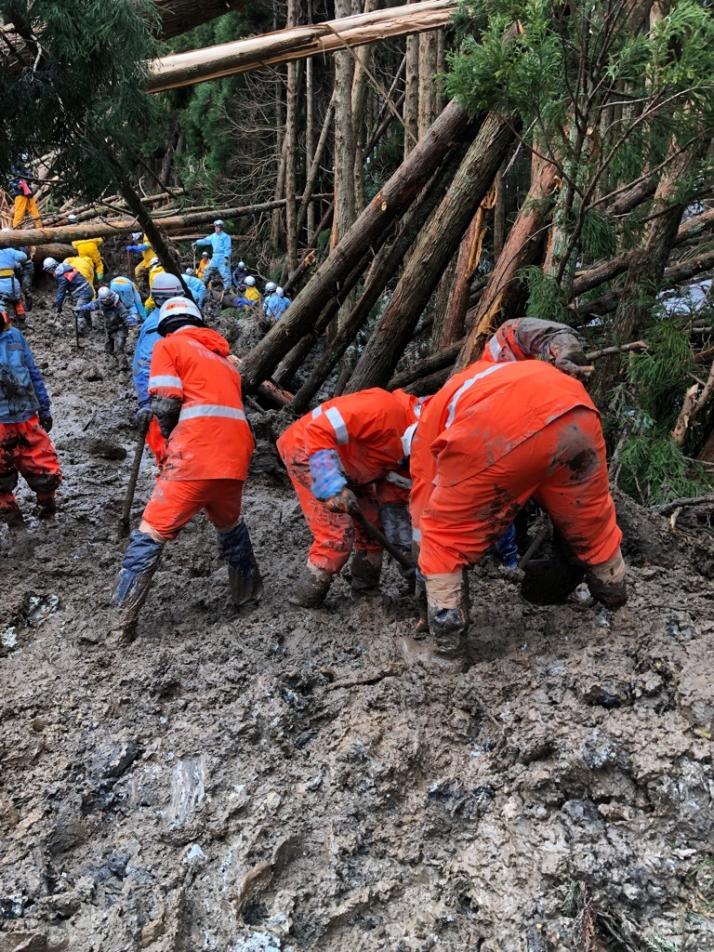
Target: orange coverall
pixel 208 453
pixel 371 432
pixel 496 435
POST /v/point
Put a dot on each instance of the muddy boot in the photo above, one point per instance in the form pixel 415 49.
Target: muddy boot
pixel 133 582
pixel 244 578
pixel 11 516
pixel 448 627
pixel 607 582
pixel 365 568
pixel 421 629
pixel 311 588
pixel 448 615
pixel 46 505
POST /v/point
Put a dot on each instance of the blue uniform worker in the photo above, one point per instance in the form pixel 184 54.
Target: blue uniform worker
pixel 221 246
pixel 130 298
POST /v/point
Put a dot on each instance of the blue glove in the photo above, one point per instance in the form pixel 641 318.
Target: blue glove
pixel 327 477
pixel 86 307
pixel 133 248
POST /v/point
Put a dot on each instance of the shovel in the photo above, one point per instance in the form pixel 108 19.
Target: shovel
pixel 125 520
pixel 374 533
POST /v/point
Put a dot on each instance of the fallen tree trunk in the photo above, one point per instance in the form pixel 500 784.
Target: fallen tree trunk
pixel 675 274
pixel 282 46
pixel 109 227
pixel 432 252
pixel 519 250
pixel 383 268
pixel 368 232
pixel 178 16
pixel 607 270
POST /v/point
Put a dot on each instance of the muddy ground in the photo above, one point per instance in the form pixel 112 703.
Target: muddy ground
pixel 284 779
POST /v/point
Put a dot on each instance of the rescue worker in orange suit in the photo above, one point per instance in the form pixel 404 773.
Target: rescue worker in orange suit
pixel 350 452
pixel 503 431
pixel 25 421
pixel 196 397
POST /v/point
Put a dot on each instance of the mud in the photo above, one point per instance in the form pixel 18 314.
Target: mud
pixel 293 779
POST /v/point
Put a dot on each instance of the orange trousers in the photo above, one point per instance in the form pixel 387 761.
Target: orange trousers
pixel 26 448
pixel 563 467
pixel 334 533
pixel 174 503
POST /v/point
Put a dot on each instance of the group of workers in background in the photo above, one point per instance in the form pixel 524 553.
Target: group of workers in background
pixel 442 476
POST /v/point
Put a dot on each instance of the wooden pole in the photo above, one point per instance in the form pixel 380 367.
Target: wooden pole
pixel 282 46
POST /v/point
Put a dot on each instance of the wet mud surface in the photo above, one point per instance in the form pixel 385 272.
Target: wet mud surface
pixel 292 779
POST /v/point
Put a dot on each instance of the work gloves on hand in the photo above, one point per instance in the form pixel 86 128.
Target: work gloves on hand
pixel 45 421
pixel 344 501
pixel 327 477
pixel 568 355
pixel 143 416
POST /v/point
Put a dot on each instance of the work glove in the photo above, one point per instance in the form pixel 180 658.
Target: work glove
pixel 45 421
pixel 143 416
pixel 344 501
pixel 568 356
pixel 327 477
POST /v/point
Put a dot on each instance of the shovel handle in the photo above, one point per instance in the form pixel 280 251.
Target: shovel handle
pixel 380 537
pixel 125 520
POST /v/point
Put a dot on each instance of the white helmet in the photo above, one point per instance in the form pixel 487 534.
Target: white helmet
pixel 136 235
pixel 165 286
pixel 178 312
pixel 279 292
pixel 190 272
pixel 205 254
pixel 270 287
pixel 71 217
pixel 249 280
pixel 107 296
pixel 218 223
pixel 241 264
pixel 50 264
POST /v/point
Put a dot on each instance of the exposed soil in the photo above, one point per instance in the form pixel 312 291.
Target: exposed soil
pixel 287 779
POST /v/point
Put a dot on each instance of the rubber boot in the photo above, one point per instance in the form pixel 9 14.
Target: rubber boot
pixel 311 587
pixel 46 505
pixel 133 582
pixel 422 626
pixel 612 595
pixel 10 511
pixel 244 579
pixel 365 568
pixel 448 627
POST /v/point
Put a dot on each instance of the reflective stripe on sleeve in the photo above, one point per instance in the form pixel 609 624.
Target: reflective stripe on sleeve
pixel 466 385
pixel 165 381
pixel 407 438
pixel 416 534
pixel 338 425
pixel 317 412
pixel 211 410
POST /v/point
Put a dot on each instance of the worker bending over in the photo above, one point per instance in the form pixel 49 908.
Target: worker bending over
pixel 70 281
pixel 350 454
pixel 89 248
pixel 140 244
pixel 25 421
pixel 196 397
pixel 505 430
pixel 116 323
pixel 195 286
pixel 130 298
pixel 275 303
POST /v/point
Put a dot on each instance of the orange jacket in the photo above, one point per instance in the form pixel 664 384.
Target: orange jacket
pixel 370 431
pixel 212 439
pixel 508 403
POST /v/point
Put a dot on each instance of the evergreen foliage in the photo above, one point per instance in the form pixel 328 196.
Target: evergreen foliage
pixel 83 95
